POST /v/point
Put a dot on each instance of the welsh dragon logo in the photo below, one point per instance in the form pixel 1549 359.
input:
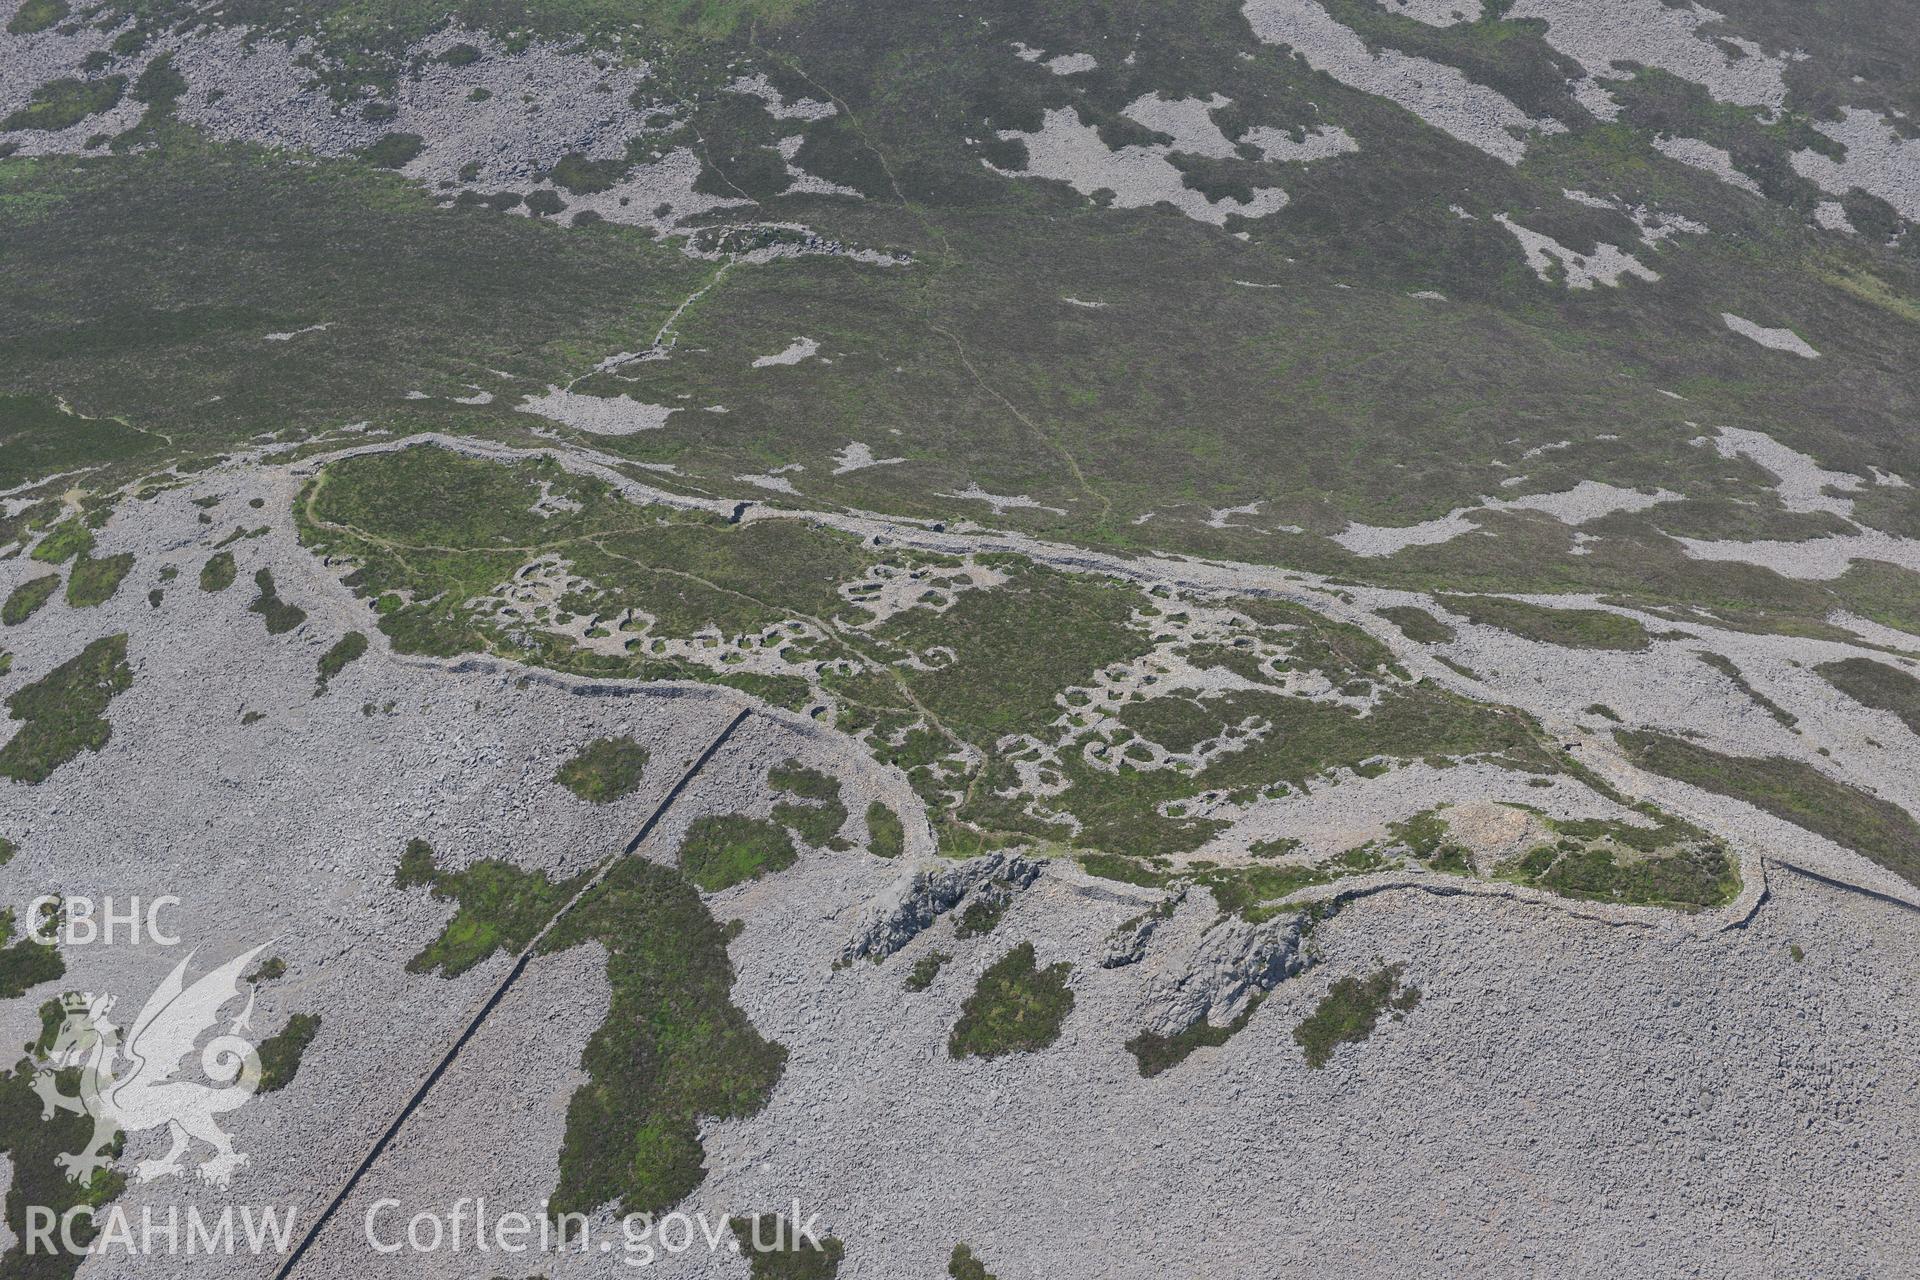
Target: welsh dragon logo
pixel 135 1084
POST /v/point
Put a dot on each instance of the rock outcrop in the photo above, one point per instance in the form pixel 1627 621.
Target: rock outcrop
pixel 922 894
pixel 1128 944
pixel 1233 963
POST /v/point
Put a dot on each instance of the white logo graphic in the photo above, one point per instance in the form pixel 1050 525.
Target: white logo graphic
pixel 134 1086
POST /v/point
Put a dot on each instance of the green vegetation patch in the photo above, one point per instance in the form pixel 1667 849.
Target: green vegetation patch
pixel 174 351
pixel 348 648
pixel 279 615
pixel 69 538
pixel 501 908
pixel 1569 628
pixel 964 1265
pixel 886 834
pixel 674 1048
pixel 1243 890
pixel 438 538
pixel 24 964
pixel 1874 684
pixel 1877 829
pixel 1018 645
pixel 281 1052
pixel 1014 1008
pixel 93 582
pixel 1124 812
pixel 982 916
pixel 1731 670
pixel 581 176
pixel 432 530
pixel 240 534
pixel 1156 1052
pixel 604 770
pixel 815 813
pixel 1351 1009
pixel 26 599
pixel 60 104
pixel 925 970
pixel 36 15
pixel 33 1144
pixel 1429 841
pixel 729 849
pixel 1665 863
pixel 218 572
pixel 272 968
pixel 987 906
pixel 776 1250
pixel 1417 624
pixel 64 711
pixel 394 150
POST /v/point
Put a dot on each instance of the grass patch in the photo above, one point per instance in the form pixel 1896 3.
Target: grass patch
pixel 925 970
pixel 26 599
pixel 1238 890
pixel 32 1144
pixel 218 572
pixel 1669 864
pixel 886 834
pixel 1350 1011
pixel 1877 829
pixel 272 968
pixel 581 176
pixel 1156 1052
pixel 1429 841
pixel 501 908
pixel 604 770
pixel 775 1250
pixel 24 964
pixel 1568 628
pixel 60 104
pixel 1417 624
pixel 64 711
pixel 1731 670
pixel 431 531
pixel 964 1265
pixel 1877 685
pixel 1014 1008
pixel 65 540
pixel 281 1052
pixel 278 614
pixel 93 582
pixel 816 813
pixel 723 851
pixel 394 151
pixel 348 648
pixel 38 438
pixel 1018 645
pixel 1147 873
pixel 674 1048
pixel 36 15
pixel 982 916
pixel 240 534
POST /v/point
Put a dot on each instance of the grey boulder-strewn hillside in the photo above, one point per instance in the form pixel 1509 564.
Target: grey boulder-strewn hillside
pixel 807 638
